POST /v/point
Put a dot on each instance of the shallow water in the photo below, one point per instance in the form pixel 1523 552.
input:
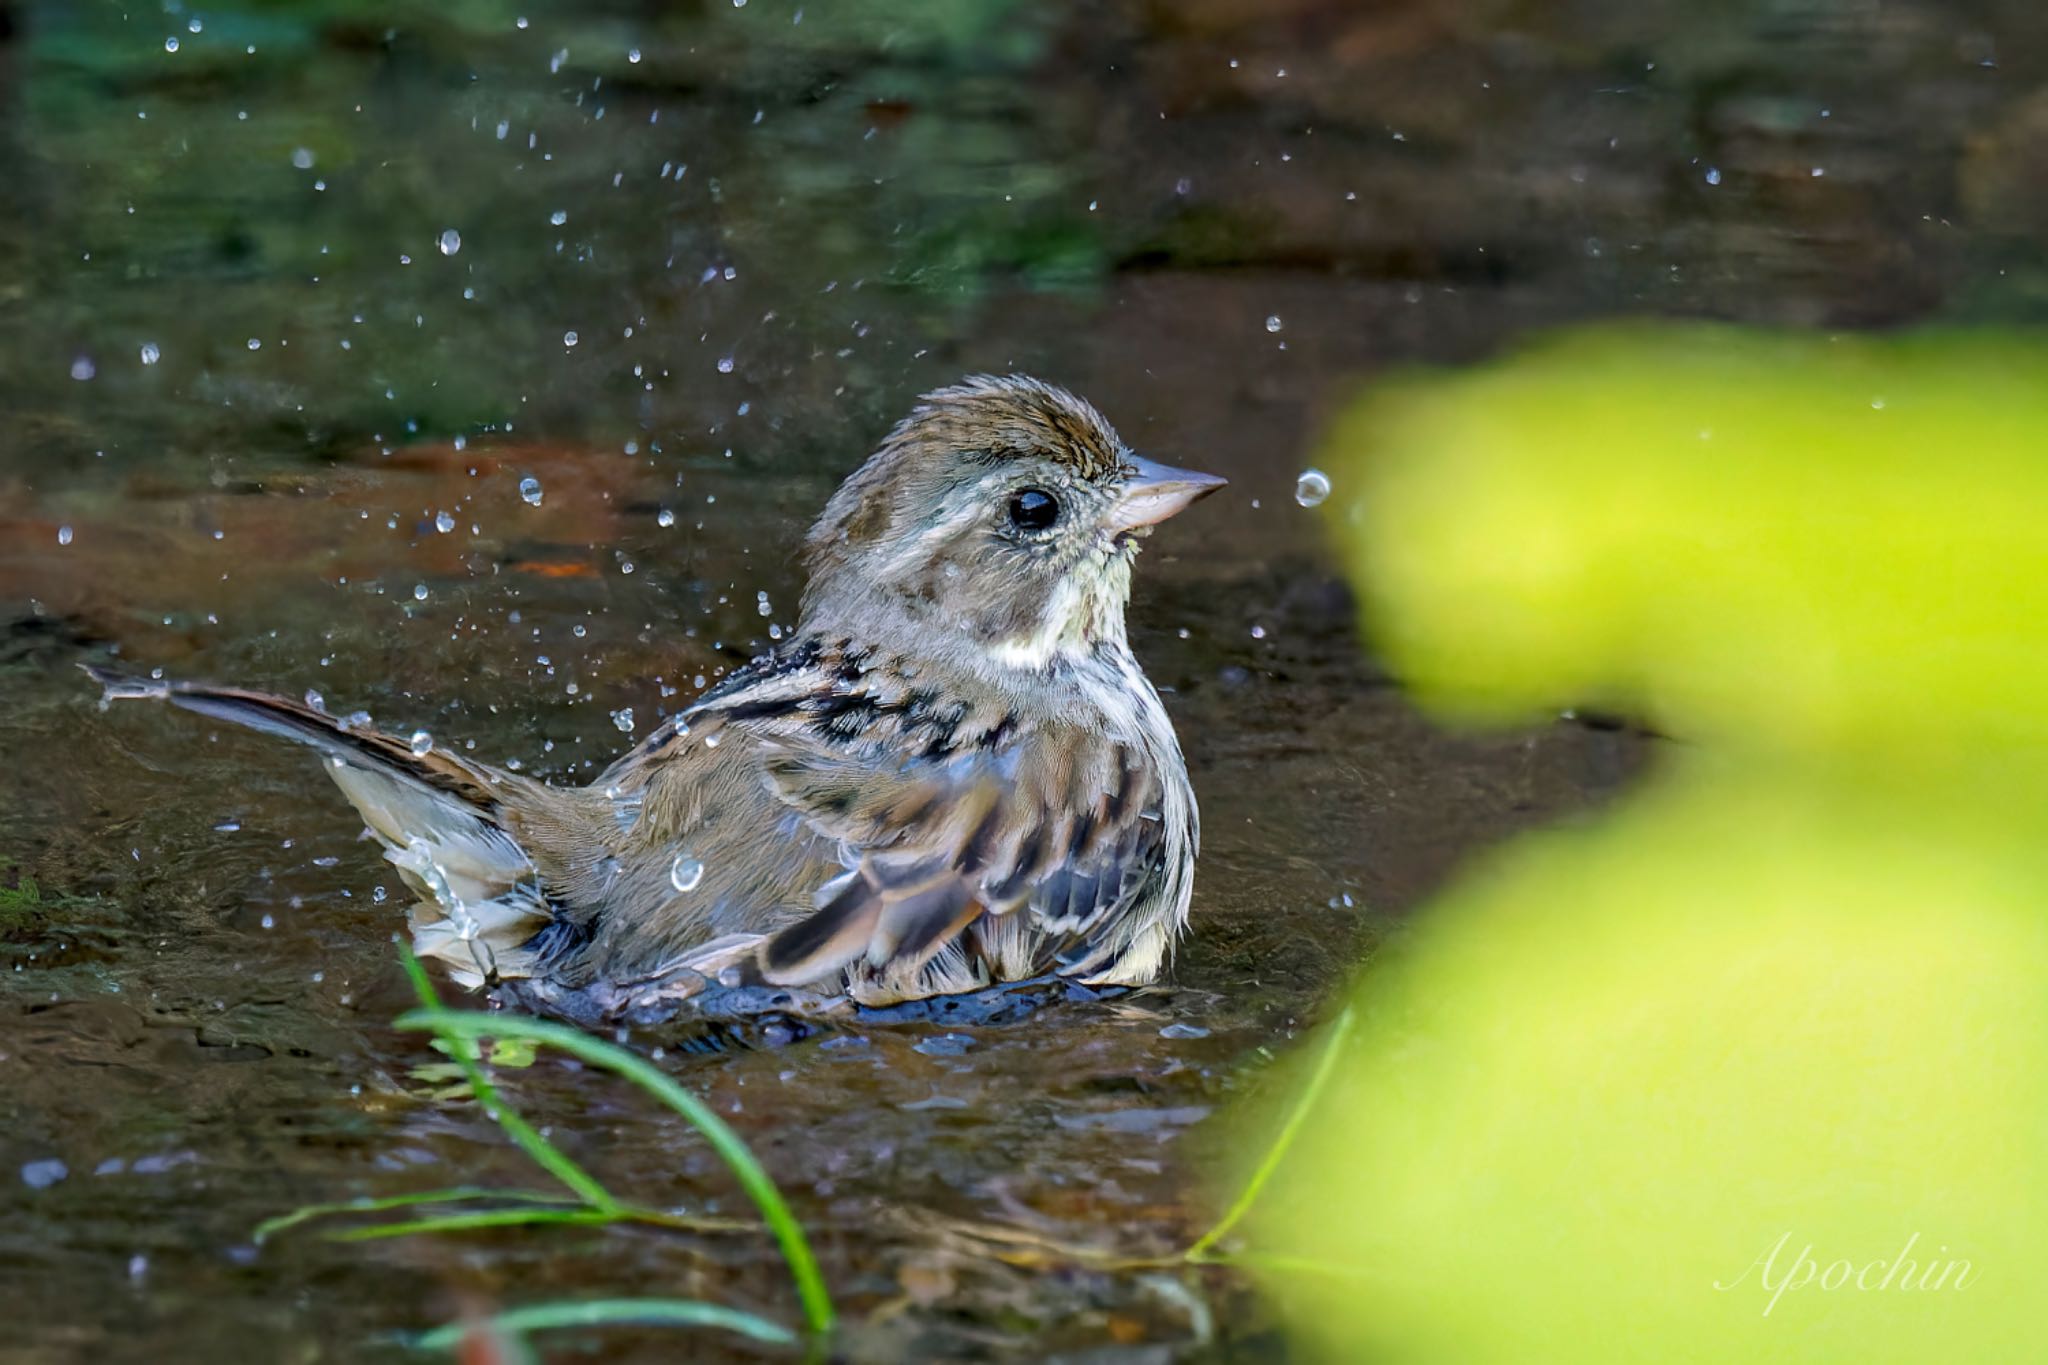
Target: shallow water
pixel 701 256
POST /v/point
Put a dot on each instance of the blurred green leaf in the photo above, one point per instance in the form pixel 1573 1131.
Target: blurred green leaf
pixel 1622 1065
pixel 1822 544
pixel 1699 1080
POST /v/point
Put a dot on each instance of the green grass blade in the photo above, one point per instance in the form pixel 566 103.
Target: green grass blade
pixel 396 1201
pixel 482 1218
pixel 1296 1265
pixel 541 1317
pixel 1326 1065
pixel 545 1154
pixel 789 1234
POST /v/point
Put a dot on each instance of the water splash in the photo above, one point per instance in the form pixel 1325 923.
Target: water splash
pixel 625 807
pixel 419 860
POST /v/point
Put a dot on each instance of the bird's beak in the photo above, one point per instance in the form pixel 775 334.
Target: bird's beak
pixel 1155 491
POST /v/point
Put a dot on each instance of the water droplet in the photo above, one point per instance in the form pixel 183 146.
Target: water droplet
pixel 1273 323
pixel 150 354
pixel 171 43
pixel 559 217
pixel 725 364
pixel 633 56
pixel 302 157
pixel 625 809
pixel 422 744
pixel 1713 175
pixel 1311 486
pixel 685 872
pixel 315 702
pixel 40 1175
pixel 419 592
pixel 568 338
pixel 451 241
pixel 665 518
pixel 623 718
pixel 255 343
pixel 63 535
pixel 529 491
pixel 443 522
pixel 83 369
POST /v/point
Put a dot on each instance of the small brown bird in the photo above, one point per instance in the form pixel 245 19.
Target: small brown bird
pixel 952 774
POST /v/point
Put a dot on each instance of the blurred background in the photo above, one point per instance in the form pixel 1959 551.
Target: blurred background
pixel 479 366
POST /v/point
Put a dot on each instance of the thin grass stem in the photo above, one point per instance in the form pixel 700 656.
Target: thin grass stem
pixel 545 1154
pixel 455 1195
pixel 1326 1066
pixel 541 1317
pixel 482 1218
pixel 789 1234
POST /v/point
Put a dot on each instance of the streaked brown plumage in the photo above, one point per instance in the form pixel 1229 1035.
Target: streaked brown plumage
pixel 952 773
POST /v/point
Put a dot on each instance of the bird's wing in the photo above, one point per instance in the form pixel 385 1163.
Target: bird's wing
pixel 1020 844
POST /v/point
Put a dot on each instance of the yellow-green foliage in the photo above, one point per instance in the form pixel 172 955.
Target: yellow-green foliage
pixel 1685 1082
pixel 1801 541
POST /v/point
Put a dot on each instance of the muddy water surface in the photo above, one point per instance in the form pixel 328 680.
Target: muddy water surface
pixel 297 301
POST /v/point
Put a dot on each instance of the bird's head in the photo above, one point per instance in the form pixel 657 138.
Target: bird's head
pixel 1005 512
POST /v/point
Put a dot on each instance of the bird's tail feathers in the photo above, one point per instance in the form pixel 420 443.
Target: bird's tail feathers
pixel 438 816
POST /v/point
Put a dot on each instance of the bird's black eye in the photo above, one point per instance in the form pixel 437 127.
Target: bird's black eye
pixel 1033 509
